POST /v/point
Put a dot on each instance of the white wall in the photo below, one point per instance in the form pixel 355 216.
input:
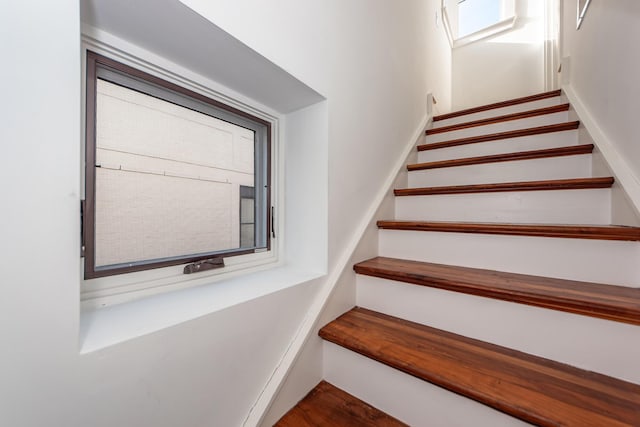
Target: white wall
pixel 604 70
pixel 504 66
pixel 439 65
pixel 203 372
pixel 200 373
pixel 366 57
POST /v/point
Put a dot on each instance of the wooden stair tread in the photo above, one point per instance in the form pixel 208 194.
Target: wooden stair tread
pixel 499 119
pixel 329 406
pixel 538 130
pixel 548 185
pixel 597 232
pixel 508 103
pixel 618 303
pixel 534 389
pixel 571 150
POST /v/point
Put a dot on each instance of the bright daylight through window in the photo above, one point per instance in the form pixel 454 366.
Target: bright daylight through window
pixel 171 176
pixel 469 20
pixel 475 15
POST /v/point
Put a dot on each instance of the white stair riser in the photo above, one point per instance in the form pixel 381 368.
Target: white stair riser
pixel 411 400
pixel 546 119
pixel 563 167
pixel 511 145
pixel 558 206
pixel 602 261
pixel 534 105
pixel 581 341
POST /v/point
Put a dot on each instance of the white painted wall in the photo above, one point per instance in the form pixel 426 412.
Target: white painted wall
pixel 504 66
pixel 202 372
pixel 366 57
pixel 604 70
pixel 376 83
pixel 439 65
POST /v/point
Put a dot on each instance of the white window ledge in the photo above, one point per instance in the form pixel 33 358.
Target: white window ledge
pixel 490 31
pixel 232 78
pixel 493 30
pixel 107 326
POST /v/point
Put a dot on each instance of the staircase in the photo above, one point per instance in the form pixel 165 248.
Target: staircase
pixel 501 296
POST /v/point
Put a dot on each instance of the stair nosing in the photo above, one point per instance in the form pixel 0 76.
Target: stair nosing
pixel 518 133
pixel 547 185
pixel 589 232
pixel 485 372
pixel 496 105
pixel 506 286
pixel 570 150
pixel 500 119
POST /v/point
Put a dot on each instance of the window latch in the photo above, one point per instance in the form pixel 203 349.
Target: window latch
pixel 204 265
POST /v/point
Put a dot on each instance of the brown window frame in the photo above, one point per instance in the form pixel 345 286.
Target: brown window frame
pixel 95 60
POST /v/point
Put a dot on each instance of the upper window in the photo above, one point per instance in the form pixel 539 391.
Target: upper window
pixel 171 176
pixel 475 15
pixel 470 20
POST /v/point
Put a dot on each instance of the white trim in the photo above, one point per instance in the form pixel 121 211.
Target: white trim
pixel 262 404
pixel 493 30
pixel 580 14
pixel 130 54
pixel 447 26
pixel 551 44
pixel 624 175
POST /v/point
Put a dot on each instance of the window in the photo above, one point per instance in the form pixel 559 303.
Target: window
pixel 470 20
pixel 475 15
pixel 166 169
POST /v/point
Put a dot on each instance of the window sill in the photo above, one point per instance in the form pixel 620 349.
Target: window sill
pixel 108 326
pixel 495 29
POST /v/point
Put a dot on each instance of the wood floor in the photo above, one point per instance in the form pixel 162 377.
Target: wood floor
pixel 328 406
pixel 534 389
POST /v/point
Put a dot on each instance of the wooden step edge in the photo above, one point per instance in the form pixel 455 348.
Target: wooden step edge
pixel 328 406
pixel 550 185
pixel 500 119
pixel 591 232
pixel 610 302
pixel 508 103
pixel 571 150
pixel 534 389
pixel 539 130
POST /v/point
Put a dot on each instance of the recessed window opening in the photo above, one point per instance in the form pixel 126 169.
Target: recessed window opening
pixel 166 170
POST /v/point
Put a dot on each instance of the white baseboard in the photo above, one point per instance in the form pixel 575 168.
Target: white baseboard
pixel 624 175
pixel 262 404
